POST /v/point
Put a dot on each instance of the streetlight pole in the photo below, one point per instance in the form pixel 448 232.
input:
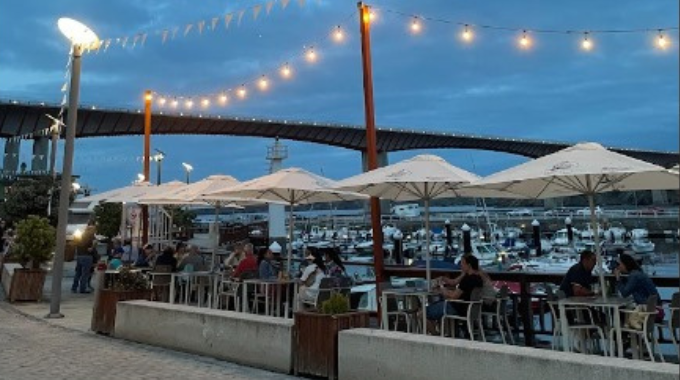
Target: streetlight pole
pixel 80 36
pixel 187 169
pixel 371 137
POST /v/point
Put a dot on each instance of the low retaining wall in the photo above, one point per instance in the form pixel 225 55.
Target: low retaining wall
pixel 248 339
pixel 378 354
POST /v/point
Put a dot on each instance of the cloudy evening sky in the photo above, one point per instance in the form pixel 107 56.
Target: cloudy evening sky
pixel 624 93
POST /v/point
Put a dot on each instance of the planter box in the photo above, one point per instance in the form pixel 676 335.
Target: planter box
pixel 104 313
pixel 316 341
pixel 26 285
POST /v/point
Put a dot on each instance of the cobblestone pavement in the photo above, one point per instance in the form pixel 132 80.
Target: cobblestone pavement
pixel 34 350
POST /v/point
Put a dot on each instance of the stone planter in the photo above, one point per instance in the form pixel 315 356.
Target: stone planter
pixel 316 341
pixel 104 313
pixel 26 285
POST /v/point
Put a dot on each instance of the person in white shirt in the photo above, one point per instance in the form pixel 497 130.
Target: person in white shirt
pixel 311 277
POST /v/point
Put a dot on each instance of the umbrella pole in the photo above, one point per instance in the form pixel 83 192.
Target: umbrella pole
pixel 216 237
pixel 291 232
pixel 428 274
pixel 596 239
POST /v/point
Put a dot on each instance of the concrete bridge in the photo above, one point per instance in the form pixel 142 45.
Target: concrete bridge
pixel 29 119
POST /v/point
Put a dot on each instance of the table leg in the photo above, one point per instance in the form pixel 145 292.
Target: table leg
pixel 383 312
pixel 172 288
pixel 423 302
pixel 564 327
pixel 617 328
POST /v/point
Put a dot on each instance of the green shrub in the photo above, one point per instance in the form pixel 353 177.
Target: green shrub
pixel 34 242
pixel 128 280
pixel 337 304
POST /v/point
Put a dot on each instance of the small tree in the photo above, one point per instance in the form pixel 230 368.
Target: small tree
pixel 108 218
pixel 35 241
pixel 182 218
pixel 30 196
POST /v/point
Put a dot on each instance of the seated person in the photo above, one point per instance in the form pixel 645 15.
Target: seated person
pixel 146 258
pixel 467 282
pixel 167 258
pixel 117 249
pixel 268 270
pixel 311 277
pixel 636 283
pixel 334 266
pixel 235 257
pixel 579 279
pixel 193 258
pixel 180 250
pixel 248 264
pixel 115 262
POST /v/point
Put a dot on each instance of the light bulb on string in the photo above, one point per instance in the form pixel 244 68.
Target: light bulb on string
pixel 286 72
pixel 223 99
pixel 242 91
pixel 174 103
pixel 587 43
pixel 189 103
pixel 525 41
pixel 311 55
pixel 161 101
pixel 467 34
pixel 662 41
pixel 263 83
pixel 338 34
pixel 416 26
pixel 205 102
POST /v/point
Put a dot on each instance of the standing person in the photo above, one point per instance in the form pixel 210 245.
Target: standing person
pixel 579 279
pixel 84 263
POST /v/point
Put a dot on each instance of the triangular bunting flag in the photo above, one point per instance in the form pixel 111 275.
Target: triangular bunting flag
pixel 174 32
pixel 256 11
pixel 63 100
pixel 107 43
pixel 124 41
pixel 268 7
pixel 187 29
pixel 227 20
pixel 201 25
pixel 240 16
pixel 302 3
pixel 284 3
pixel 144 38
pixel 134 40
pixel 164 36
pixel 64 87
pixel 214 22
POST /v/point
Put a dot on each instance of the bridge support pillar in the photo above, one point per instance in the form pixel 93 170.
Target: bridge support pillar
pixel 41 148
pixel 11 158
pixel 660 197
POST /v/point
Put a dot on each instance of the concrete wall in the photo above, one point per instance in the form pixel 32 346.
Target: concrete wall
pixel 253 340
pixel 377 355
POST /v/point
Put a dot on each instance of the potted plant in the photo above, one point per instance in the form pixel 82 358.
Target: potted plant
pixel 125 285
pixel 33 247
pixel 316 335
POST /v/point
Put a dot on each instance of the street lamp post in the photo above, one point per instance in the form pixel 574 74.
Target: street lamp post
pixel 188 169
pixel 81 37
pixel 158 157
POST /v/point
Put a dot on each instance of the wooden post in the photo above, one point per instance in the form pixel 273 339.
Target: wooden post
pixel 147 161
pixel 371 139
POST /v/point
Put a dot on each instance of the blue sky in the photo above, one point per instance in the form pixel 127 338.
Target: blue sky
pixel 623 93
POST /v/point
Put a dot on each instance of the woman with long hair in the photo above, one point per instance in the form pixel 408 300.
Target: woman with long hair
pixel 636 283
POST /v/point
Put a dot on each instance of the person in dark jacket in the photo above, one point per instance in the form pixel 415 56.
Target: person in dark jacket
pixel 167 258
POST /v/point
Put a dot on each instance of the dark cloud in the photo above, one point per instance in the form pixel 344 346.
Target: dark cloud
pixel 624 93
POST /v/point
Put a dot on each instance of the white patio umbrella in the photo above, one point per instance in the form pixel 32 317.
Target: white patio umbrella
pixel 583 169
pixel 192 195
pixel 424 177
pixel 293 186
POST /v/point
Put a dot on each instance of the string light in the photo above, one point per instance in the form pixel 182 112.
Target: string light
pixel 586 44
pixel 285 71
pixel 242 91
pixel 338 34
pixel 311 55
pixel 467 34
pixel 205 102
pixel 174 103
pixel 263 83
pixel 416 26
pixel 525 41
pixel 161 101
pixel 223 99
pixel 661 41
pixel 189 103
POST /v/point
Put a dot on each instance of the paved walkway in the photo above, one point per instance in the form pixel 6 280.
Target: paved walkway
pixel 34 350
